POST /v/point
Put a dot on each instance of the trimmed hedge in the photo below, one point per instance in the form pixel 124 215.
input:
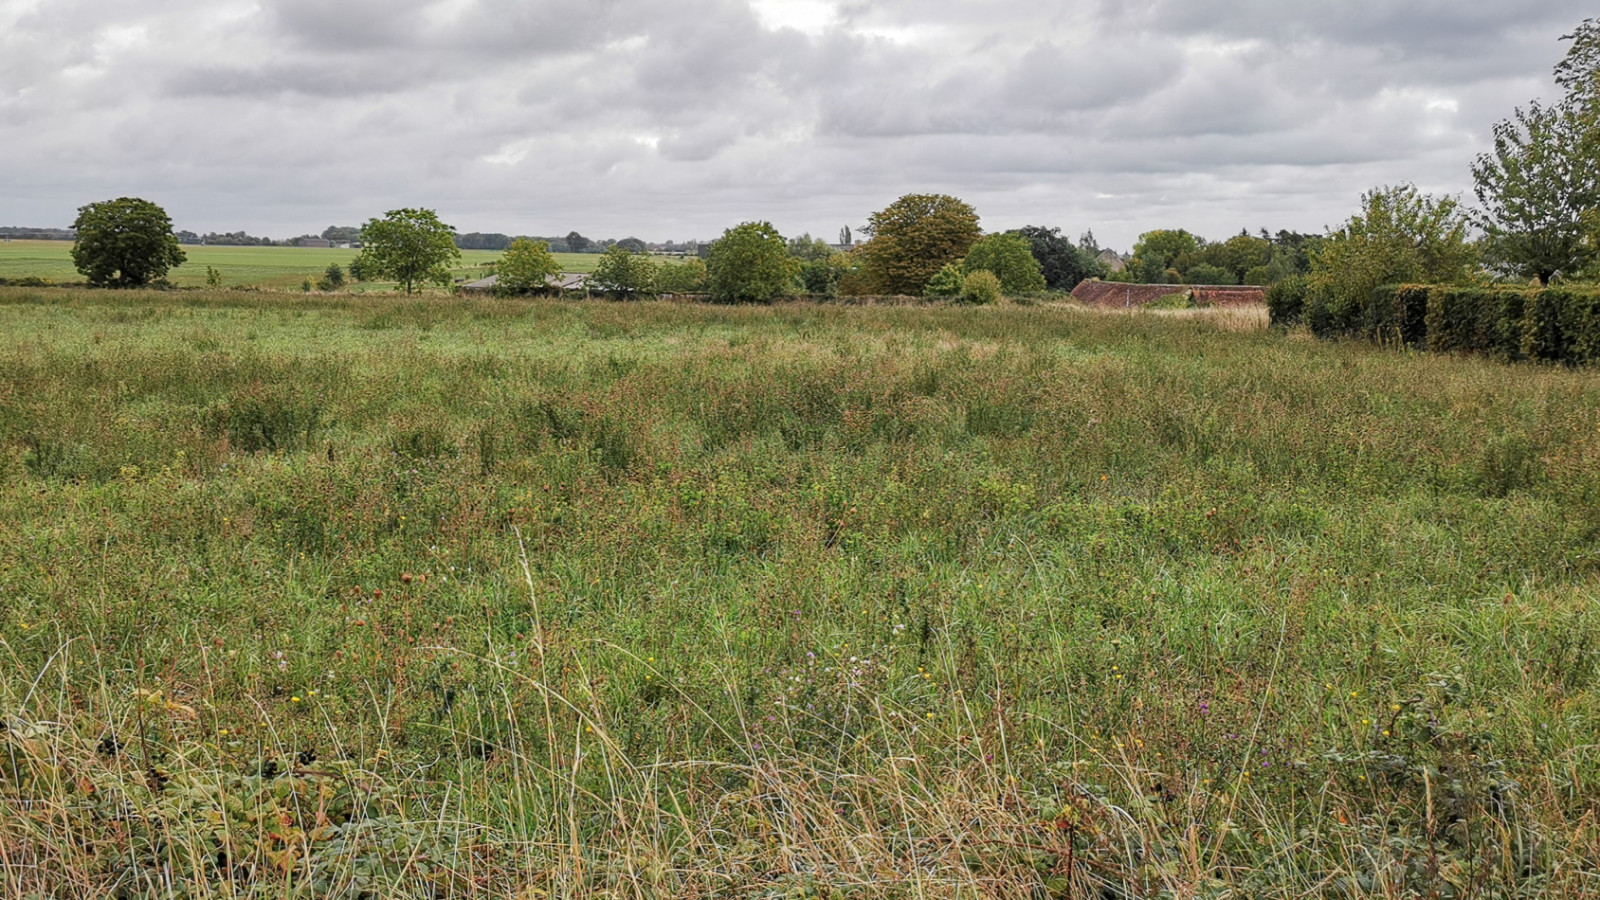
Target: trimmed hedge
pixel 1559 324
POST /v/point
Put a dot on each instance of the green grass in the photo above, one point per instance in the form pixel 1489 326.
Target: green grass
pixel 358 596
pixel 277 268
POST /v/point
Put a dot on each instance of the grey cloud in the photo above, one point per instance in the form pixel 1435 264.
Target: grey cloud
pixel 676 120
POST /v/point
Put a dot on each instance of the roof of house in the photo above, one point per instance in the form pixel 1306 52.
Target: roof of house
pixel 566 281
pixel 1115 293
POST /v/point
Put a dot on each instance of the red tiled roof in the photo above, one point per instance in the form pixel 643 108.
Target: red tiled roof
pixel 1113 293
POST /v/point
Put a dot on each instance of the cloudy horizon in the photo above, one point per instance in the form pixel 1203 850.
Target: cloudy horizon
pixel 674 121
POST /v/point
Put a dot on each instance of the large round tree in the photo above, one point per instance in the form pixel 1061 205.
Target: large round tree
pixel 125 242
pixel 750 264
pixel 913 238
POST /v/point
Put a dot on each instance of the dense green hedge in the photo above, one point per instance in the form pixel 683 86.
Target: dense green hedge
pixel 1559 324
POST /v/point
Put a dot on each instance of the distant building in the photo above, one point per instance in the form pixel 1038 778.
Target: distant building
pixel 1112 261
pixel 322 243
pixel 1095 292
pixel 566 281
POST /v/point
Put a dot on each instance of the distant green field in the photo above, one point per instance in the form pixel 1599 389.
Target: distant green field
pixel 269 267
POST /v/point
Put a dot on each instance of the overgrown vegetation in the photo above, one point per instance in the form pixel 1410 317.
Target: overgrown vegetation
pixel 323 595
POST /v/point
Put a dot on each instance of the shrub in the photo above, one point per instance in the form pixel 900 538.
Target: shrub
pixel 688 277
pixel 332 279
pixel 1411 308
pixel 1562 325
pixel 1286 301
pixel 981 287
pixel 947 283
pixel 1479 320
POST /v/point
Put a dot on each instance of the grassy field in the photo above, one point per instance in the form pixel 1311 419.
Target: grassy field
pixel 278 268
pixel 350 596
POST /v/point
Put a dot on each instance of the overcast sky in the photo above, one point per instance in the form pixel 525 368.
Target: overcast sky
pixel 677 118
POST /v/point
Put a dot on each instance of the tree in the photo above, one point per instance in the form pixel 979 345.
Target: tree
pixel 1401 235
pixel 1206 273
pixel 125 242
pixel 410 246
pixel 524 267
pixel 1010 258
pixel 633 245
pixel 1578 73
pixel 821 276
pixel 1062 263
pixel 622 271
pixel 687 277
pixel 845 239
pixel 577 243
pixel 477 240
pixel 913 238
pixel 1543 176
pixel 1158 250
pixel 341 234
pixel 1237 255
pixel 806 248
pixel 750 264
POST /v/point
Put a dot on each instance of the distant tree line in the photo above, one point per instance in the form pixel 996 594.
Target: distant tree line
pixel 22 233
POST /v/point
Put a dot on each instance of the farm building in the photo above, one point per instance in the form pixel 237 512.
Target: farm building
pixel 566 281
pixel 1112 293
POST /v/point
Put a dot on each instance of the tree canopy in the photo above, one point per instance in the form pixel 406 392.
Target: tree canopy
pixel 1062 262
pixel 127 242
pixel 913 238
pixel 1540 184
pixel 1401 235
pixel 410 246
pixel 526 266
pixel 1010 258
pixel 750 263
pixel 624 271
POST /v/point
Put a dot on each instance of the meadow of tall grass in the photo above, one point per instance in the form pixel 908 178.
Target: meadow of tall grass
pixel 309 596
